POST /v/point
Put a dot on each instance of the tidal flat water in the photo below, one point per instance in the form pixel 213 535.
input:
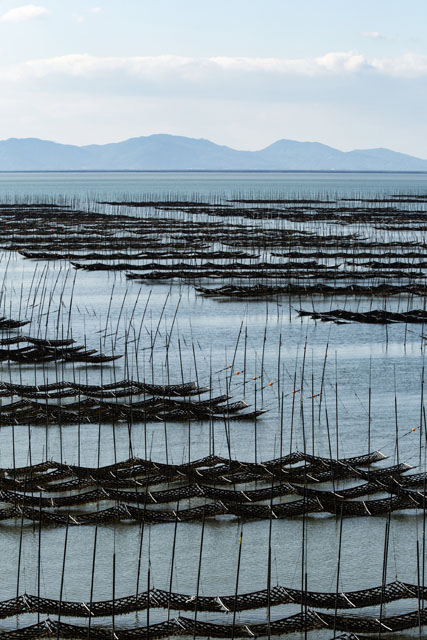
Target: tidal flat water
pixel 332 390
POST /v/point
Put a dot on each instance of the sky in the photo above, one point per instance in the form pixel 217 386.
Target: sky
pixel 244 73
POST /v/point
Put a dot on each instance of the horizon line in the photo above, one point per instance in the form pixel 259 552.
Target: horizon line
pixel 333 171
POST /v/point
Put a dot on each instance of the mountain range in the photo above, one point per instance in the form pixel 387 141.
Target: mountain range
pixel 166 152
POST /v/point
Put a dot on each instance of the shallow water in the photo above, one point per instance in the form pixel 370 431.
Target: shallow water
pixel 210 335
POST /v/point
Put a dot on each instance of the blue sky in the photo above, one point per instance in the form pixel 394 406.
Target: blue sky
pixel 349 73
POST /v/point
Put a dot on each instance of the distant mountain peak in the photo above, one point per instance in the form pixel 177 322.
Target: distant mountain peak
pixel 163 151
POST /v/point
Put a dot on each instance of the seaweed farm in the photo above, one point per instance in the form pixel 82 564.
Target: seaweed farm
pixel 212 418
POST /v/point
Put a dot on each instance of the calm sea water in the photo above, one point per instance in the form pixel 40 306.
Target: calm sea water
pixel 228 184
pixel 393 359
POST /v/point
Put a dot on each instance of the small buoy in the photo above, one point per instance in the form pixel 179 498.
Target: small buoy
pixel 237 373
pixel 254 378
pixel 414 428
pixel 270 384
pixel 227 367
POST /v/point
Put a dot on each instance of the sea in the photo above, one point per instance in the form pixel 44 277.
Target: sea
pixel 371 396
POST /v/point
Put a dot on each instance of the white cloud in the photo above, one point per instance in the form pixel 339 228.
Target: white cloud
pixel 374 35
pixel 24 13
pixel 78 18
pixel 134 70
pixel 377 35
pixel 409 65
